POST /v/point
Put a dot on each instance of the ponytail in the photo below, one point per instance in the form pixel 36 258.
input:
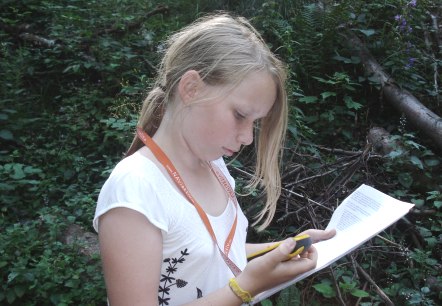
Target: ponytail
pixel 150 117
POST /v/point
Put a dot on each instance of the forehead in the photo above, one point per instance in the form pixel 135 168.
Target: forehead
pixel 256 93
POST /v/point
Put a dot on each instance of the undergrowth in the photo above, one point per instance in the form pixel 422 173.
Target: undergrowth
pixel 73 76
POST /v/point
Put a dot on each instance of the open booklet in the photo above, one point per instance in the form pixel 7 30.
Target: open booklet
pixel 362 215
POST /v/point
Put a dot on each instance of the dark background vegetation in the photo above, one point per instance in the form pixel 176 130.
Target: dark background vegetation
pixel 73 74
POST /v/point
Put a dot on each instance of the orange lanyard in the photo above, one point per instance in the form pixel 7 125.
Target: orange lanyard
pixel 166 162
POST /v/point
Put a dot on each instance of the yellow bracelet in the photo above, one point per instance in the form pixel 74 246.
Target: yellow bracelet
pixel 245 296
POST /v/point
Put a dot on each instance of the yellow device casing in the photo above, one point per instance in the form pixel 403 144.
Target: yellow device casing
pixel 303 242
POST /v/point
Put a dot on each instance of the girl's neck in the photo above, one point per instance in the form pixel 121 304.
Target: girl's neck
pixel 170 139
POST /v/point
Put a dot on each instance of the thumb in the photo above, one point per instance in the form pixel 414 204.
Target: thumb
pixel 285 248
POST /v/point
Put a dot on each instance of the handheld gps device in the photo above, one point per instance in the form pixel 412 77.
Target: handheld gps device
pixel 303 242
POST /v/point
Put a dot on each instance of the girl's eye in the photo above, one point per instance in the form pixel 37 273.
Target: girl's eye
pixel 240 116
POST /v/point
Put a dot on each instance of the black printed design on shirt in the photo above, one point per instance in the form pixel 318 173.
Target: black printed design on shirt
pixel 199 293
pixel 167 280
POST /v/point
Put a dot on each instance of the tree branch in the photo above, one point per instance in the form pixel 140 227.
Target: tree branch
pixel 423 118
pixel 371 281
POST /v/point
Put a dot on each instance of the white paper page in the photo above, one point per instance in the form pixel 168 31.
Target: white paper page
pixel 362 215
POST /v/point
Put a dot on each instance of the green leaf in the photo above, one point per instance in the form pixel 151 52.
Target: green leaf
pixel 355 59
pixel 10 296
pixel 367 32
pixel 395 153
pixel 425 290
pixel 18 172
pixel 416 298
pixel 418 202
pixel 414 144
pixel 19 290
pixel 433 162
pixel 351 104
pixel 266 303
pixel 342 59
pixel 325 289
pixel 6 135
pixel 71 283
pixel 405 179
pixel 293 130
pixel 417 162
pixel 359 293
pixel 437 204
pixel 12 276
pixel 327 94
pixel 433 194
pixel 308 99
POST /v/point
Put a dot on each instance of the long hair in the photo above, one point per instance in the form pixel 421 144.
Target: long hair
pixel 224 50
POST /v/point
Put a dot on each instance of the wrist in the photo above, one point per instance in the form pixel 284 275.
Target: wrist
pixel 242 294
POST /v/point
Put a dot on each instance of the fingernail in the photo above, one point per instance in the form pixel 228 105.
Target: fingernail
pixel 289 244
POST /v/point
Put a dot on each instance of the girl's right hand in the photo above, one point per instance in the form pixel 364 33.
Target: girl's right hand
pixel 272 269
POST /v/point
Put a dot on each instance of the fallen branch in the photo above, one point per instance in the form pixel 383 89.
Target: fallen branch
pixel 423 118
pixel 338 290
pixel 371 281
pixel 38 40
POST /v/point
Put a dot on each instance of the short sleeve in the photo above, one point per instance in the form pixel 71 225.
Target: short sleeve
pixel 132 185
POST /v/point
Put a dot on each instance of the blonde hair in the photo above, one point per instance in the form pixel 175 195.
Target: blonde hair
pixel 224 50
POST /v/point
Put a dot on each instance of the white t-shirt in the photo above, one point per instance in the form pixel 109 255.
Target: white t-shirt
pixel 192 265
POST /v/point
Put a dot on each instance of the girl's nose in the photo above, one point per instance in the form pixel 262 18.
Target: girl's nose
pixel 245 136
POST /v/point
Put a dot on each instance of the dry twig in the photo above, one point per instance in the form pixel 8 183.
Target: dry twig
pixel 372 282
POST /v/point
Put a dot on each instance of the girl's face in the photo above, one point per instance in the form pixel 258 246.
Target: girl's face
pixel 224 120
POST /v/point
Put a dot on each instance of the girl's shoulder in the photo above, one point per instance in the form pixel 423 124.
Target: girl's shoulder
pixel 135 166
pixel 136 183
pixel 135 174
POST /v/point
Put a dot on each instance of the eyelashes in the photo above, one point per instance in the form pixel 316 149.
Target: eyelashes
pixel 239 116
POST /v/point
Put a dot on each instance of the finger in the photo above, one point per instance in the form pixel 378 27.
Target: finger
pixel 318 235
pixel 328 234
pixel 311 254
pixel 306 261
pixel 284 249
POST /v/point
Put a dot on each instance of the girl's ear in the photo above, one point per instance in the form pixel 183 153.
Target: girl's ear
pixel 189 85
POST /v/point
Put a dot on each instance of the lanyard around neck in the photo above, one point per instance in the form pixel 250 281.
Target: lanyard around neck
pixel 166 162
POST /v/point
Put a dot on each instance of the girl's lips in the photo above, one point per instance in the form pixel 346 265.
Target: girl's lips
pixel 229 152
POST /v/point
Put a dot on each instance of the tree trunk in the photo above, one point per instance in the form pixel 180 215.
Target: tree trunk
pixel 420 116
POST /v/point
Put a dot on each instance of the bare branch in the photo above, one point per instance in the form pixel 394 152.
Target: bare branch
pixel 377 288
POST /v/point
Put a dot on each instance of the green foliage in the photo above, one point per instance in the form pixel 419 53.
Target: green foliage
pixel 325 287
pixel 348 285
pixel 68 105
pixel 419 283
pixel 288 296
pixel 37 269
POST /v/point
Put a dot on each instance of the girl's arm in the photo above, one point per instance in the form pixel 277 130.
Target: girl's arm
pixel 131 251
pixel 255 247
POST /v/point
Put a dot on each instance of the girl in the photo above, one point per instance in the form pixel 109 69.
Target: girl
pixel 171 231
